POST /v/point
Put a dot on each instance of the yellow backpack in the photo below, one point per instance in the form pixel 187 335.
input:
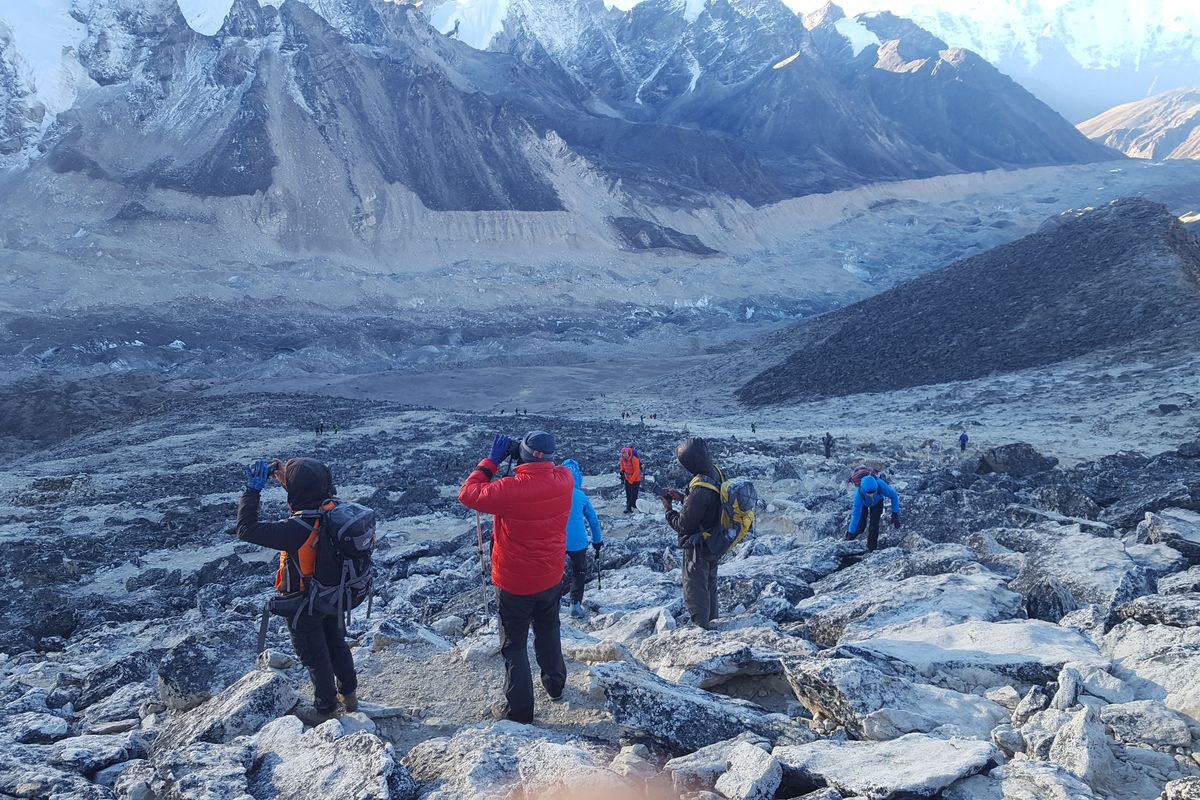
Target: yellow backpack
pixel 738 501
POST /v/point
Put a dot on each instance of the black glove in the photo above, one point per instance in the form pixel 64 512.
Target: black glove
pixel 895 519
pixel 596 546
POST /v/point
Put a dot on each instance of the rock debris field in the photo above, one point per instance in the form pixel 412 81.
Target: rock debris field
pixel 1033 631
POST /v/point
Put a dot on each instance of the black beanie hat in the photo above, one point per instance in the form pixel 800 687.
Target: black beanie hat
pixel 309 483
pixel 537 446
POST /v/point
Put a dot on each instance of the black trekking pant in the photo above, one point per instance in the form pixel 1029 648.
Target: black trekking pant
pixel 321 647
pixel 576 574
pixel 517 613
pixel 962 446
pixel 700 586
pixel 828 448
pixel 631 494
pixel 873 514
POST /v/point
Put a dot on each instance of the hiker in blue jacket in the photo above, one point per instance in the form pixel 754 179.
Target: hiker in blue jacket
pixel 868 504
pixel 582 512
pixel 962 441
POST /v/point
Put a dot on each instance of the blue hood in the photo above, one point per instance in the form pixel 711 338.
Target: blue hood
pixel 573 466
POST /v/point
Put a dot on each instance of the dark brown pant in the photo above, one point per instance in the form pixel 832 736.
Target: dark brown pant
pixel 700 586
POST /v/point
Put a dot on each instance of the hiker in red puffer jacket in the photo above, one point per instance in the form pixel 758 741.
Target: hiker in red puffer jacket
pixel 529 544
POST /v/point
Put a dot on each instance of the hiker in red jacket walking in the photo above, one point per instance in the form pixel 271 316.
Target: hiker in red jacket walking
pixel 529 545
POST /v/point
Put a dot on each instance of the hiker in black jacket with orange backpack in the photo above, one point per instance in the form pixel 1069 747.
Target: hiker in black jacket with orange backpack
pixel 312 591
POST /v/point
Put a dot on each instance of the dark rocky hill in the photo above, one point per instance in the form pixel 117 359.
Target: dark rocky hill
pixel 1086 281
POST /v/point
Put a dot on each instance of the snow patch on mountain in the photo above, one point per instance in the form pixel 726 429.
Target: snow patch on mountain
pixel 474 22
pixel 44 37
pixel 205 16
pixel 860 38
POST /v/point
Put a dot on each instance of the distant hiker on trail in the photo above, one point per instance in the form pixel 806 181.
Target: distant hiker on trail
pixel 335 427
pixel 753 428
pixel 310 568
pixel 582 513
pixel 320 427
pixel 828 442
pixel 962 441
pixel 529 548
pixel 642 418
pixel 869 494
pixel 630 470
pixel 701 514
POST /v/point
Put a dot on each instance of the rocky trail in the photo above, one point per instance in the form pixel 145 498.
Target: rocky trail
pixel 1033 631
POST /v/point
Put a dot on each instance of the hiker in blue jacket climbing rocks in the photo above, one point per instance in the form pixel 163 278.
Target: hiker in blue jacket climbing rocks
pixel 868 509
pixel 583 513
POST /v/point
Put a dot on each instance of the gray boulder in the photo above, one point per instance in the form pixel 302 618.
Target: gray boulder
pixel 1176 528
pixel 1019 460
pixel 493 762
pixel 911 766
pixel 696 657
pixel 33 727
pixel 1182 789
pixel 90 754
pixel 753 774
pixel 1179 610
pixel 681 718
pixel 201 771
pixel 700 770
pixel 1065 500
pixel 1146 722
pixel 1159 662
pixel 204 663
pixel 978 652
pixel 1022 780
pixel 22 775
pixel 860 612
pixel 290 762
pixel 872 705
pixel 1091 569
pixel 1180 582
pixel 242 709
pixel 123 704
pixel 1081 748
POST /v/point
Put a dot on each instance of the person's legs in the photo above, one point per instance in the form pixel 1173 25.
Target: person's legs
pixel 630 495
pixel 637 487
pixel 340 657
pixel 578 574
pixel 308 638
pixel 514 613
pixel 547 643
pixel 876 512
pixel 696 587
pixel 714 610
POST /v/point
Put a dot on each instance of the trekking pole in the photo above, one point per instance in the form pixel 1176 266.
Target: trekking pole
pixel 599 583
pixel 482 562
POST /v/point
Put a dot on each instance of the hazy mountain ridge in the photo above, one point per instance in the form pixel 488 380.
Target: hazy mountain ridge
pixel 1164 126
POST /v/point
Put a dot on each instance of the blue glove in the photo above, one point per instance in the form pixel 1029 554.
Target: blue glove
pixel 256 475
pixel 500 448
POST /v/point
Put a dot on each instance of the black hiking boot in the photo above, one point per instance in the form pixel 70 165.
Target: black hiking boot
pixel 313 717
pixel 349 701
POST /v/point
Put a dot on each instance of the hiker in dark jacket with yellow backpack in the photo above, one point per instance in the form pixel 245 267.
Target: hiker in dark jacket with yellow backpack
pixel 717 514
pixel 317 634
